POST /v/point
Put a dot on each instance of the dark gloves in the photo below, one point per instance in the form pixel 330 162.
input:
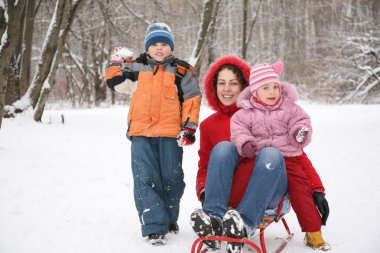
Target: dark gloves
pixel 186 137
pixel 322 205
pixel 301 134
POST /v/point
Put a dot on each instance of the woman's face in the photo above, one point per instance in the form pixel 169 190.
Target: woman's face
pixel 228 87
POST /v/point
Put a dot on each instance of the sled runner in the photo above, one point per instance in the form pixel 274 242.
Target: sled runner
pixel 270 216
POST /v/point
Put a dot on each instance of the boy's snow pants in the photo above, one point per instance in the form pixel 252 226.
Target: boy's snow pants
pixel 158 182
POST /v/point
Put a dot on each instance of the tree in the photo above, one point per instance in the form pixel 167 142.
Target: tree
pixel 248 28
pixel 10 16
pixel 20 65
pixel 67 20
pixel 207 23
pixel 363 53
pixel 45 62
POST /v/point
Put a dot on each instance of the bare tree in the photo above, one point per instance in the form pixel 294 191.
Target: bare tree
pixel 205 27
pixel 10 13
pixel 363 53
pixel 248 28
pixel 67 20
pixel 20 65
pixel 45 60
pixel 26 57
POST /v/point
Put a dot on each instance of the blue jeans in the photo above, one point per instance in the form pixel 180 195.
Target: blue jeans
pixel 267 184
pixel 158 182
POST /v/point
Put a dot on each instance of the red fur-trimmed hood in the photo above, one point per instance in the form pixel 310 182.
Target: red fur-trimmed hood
pixel 211 96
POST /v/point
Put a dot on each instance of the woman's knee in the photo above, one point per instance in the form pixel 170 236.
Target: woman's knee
pixel 272 158
pixel 271 151
pixel 224 148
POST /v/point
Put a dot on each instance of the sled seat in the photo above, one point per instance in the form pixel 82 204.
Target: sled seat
pixel 270 216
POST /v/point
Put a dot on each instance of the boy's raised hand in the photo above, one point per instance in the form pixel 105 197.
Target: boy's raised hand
pixel 120 54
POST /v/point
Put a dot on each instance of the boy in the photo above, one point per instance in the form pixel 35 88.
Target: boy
pixel 162 118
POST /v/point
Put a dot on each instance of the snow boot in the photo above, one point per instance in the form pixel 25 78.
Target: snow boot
pixel 315 241
pixel 173 228
pixel 156 239
pixel 233 226
pixel 205 225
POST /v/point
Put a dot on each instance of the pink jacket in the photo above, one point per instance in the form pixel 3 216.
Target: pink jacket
pixel 270 126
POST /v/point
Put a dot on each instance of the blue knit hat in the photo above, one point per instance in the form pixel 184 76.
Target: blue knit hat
pixel 159 32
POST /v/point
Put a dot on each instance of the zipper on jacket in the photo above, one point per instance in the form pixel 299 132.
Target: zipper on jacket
pixel 155 70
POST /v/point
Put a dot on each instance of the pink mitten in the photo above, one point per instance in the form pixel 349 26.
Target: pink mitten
pixel 248 150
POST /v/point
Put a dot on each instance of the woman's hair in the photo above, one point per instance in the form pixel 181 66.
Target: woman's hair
pixel 235 70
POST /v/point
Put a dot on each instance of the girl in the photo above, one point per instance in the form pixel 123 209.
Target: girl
pixel 270 118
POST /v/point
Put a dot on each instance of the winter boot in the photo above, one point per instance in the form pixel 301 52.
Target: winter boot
pixel 156 239
pixel 233 226
pixel 173 228
pixel 315 241
pixel 205 225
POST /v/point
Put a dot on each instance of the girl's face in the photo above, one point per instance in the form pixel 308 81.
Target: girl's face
pixel 269 93
pixel 159 51
pixel 227 87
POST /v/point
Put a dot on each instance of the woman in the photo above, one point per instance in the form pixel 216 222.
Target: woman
pixel 249 186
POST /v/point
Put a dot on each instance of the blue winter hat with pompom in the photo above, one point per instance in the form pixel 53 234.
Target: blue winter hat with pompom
pixel 159 33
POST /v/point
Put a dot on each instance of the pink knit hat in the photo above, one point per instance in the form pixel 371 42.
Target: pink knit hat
pixel 264 73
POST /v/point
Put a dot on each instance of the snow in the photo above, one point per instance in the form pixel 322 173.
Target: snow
pixel 68 187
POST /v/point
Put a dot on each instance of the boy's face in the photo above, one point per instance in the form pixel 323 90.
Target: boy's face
pixel 159 51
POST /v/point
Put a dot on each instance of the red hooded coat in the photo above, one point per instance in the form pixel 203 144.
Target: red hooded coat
pixel 216 128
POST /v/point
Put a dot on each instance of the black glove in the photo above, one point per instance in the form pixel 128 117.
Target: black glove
pixel 322 205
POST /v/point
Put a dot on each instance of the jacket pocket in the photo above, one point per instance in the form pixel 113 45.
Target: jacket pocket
pixel 170 92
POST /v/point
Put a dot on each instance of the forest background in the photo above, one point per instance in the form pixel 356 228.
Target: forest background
pixel 56 51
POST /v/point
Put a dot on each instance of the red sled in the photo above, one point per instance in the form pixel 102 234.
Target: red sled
pixel 270 216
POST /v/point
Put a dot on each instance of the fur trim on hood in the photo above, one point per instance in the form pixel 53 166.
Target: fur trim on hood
pixel 211 96
pixel 288 91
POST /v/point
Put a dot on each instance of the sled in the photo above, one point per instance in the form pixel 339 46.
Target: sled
pixel 270 216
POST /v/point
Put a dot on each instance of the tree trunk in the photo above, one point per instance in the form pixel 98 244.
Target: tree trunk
pixel 67 20
pixel 49 50
pixel 202 34
pixel 10 36
pixel 12 92
pixel 245 21
pixel 247 30
pixel 27 47
pixel 97 59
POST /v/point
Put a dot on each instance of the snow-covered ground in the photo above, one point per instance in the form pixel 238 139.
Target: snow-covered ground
pixel 67 188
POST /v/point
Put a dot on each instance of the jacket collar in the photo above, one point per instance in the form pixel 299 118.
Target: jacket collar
pixel 229 110
pixel 169 60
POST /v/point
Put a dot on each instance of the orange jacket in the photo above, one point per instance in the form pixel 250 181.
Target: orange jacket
pixel 155 109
